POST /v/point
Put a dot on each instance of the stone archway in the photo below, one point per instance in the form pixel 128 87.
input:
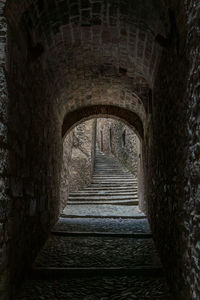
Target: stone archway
pixel 128 117
pixel 87 112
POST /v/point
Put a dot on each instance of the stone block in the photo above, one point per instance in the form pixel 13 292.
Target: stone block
pixel 16 187
pixel 32 207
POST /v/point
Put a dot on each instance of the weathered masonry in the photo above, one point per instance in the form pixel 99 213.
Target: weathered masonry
pixel 65 61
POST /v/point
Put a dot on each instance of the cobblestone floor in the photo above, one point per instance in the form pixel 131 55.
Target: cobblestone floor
pixel 97 252
pixel 103 225
pixel 106 288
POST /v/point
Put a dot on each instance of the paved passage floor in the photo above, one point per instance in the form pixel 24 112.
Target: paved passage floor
pixel 99 251
pixel 100 288
pixel 86 259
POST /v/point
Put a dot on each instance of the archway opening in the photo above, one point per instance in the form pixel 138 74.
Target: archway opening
pixel 87 149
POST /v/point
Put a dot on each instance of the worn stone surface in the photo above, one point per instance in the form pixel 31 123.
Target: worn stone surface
pixel 82 160
pixel 65 172
pixel 78 159
pixel 94 252
pixel 103 225
pixel 173 165
pixel 102 252
pixel 97 252
pixel 106 288
pixel 103 210
pixel 191 207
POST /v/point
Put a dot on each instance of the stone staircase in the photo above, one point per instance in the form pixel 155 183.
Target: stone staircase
pixel 99 257
pixel 111 184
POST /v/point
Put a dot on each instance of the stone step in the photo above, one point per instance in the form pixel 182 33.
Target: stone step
pixel 103 193
pixel 106 189
pixel 114 175
pixel 106 199
pixel 108 192
pixel 112 184
pixel 97 252
pixel 96 192
pixel 122 181
pixel 108 166
pixel 104 159
pixel 67 272
pixel 113 181
pixel 107 162
pixel 104 225
pixel 96 197
pixel 111 172
pixel 110 187
pixel 115 188
pixel 117 177
pixel 150 285
pixel 103 211
pixel 102 169
pixel 114 172
pixel 111 169
pixel 100 217
pixel 102 234
pixel 109 178
pixel 101 197
pixel 105 202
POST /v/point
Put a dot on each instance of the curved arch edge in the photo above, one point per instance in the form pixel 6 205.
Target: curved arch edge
pixel 126 115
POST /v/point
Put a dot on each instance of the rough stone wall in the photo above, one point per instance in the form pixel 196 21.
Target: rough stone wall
pixel 82 160
pixel 124 146
pixel 78 159
pixel 119 140
pixel 35 144
pixel 191 207
pixel 4 156
pixel 103 135
pixel 173 154
pixel 65 172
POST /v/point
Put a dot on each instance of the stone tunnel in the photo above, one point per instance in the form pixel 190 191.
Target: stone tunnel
pixel 62 62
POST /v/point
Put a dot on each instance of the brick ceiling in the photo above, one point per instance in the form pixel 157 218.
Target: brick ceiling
pixel 92 52
pixel 84 32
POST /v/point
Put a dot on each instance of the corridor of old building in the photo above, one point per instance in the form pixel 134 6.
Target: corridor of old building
pixel 64 62
pixel 102 246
